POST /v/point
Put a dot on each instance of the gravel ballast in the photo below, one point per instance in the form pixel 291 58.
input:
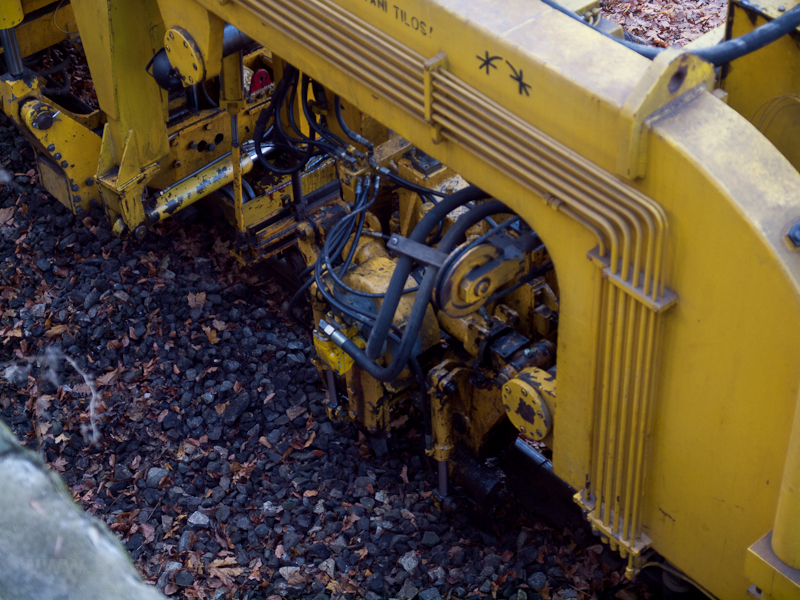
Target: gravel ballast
pixel 215 463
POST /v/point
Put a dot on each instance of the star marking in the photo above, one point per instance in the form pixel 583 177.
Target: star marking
pixel 517 76
pixel 487 62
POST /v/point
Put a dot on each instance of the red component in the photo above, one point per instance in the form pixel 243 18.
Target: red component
pixel 259 81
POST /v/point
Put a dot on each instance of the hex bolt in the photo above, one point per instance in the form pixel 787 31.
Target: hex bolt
pixel 794 235
pixel 90 181
pixel 192 145
pixel 75 187
pixel 51 147
pixel 64 164
pixel 57 155
pixel 212 147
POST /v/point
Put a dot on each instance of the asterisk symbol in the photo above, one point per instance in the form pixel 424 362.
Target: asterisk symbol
pixel 487 61
pixel 517 76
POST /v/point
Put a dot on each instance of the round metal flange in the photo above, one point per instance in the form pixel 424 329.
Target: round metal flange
pixel 184 56
pixel 525 407
pixel 448 295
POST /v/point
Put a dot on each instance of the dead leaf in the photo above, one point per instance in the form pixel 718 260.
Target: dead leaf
pixel 218 325
pixel 57 330
pixel 108 378
pixel 6 214
pixel 197 300
pixel 170 589
pixel 211 334
pixel 310 493
pixel 404 474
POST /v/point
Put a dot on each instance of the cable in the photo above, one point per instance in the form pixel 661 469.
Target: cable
pixel 723 52
pixel 418 310
pixel 404 264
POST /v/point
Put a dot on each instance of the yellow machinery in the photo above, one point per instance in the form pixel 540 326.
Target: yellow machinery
pixel 623 221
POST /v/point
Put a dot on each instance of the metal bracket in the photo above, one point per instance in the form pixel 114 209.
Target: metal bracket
pixel 419 252
pixel 432 64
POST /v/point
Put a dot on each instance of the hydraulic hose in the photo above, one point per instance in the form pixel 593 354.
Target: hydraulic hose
pixel 449 241
pixel 720 54
pixel 404 265
pixel 750 42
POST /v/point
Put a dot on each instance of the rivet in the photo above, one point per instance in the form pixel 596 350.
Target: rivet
pixel 75 188
pixel 90 181
pixel 212 147
pixel 192 145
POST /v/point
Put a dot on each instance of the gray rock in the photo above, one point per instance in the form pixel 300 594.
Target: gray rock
pixel 35 503
pixel 409 561
pixel 91 299
pixel 235 409
pixel 122 472
pixel 486 587
pixel 430 539
pixel 155 475
pixel 433 594
pixel 185 541
pixel 184 578
pixel 408 591
pixel 537 581
pixel 198 520
pixel 166 574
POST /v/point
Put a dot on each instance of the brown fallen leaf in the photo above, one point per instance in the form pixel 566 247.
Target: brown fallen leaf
pixel 6 214
pixel 170 589
pixel 108 378
pixel 57 330
pixel 197 300
pixel 211 334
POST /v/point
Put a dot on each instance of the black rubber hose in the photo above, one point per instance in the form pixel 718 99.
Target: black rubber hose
pixel 450 239
pixel 750 42
pixel 337 106
pixel 720 54
pixel 404 264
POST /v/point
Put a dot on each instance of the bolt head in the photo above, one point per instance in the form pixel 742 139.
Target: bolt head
pixel 51 147
pixel 64 164
pixel 794 235
pixel 75 188
pixel 90 181
pixel 57 155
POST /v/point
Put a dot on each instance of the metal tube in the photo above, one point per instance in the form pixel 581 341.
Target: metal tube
pixel 332 400
pixel 233 40
pixel 443 477
pixel 11 52
pixel 192 189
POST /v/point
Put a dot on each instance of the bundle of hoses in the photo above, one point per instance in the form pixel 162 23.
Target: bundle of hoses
pixel 385 317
